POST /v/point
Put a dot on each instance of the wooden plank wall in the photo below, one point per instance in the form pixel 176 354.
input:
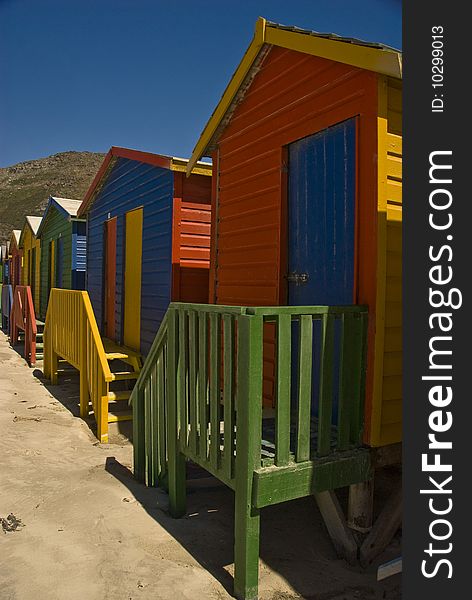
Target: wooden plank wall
pixel 386 422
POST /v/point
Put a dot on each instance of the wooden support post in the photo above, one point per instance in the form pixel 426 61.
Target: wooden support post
pixel 360 506
pixel 335 522
pixel 384 529
pixel 176 460
pixel 84 395
pixel 102 417
pixel 139 459
pixel 248 456
pixel 83 385
pixel 53 366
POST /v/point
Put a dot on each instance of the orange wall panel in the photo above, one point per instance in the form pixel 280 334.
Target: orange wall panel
pixel 292 96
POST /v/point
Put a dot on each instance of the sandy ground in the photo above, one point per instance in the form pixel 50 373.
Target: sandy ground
pixel 90 531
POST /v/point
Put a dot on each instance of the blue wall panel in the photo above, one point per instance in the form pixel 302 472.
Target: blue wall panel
pixel 129 185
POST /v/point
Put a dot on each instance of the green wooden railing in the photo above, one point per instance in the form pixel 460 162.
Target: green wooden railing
pixel 200 393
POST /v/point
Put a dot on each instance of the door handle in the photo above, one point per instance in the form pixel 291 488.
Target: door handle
pixel 297 278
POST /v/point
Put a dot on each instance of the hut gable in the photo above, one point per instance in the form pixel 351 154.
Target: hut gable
pixel 131 184
pixel 31 247
pixel 172 250
pixel 60 234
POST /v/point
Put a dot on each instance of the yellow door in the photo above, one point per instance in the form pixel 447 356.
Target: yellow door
pixel 133 256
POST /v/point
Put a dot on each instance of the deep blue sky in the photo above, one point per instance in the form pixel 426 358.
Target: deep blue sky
pixel 146 74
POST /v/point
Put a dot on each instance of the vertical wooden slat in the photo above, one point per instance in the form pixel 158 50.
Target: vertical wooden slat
pixel 248 454
pixel 203 384
pixel 228 395
pixel 326 385
pixel 138 437
pixel 282 407
pixel 192 379
pixel 161 415
pixel 155 466
pixel 176 461
pixel 359 332
pixel 304 388
pixel 148 433
pixel 345 386
pixel 182 390
pixel 215 361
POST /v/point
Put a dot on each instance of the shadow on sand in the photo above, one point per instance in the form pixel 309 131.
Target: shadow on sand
pixel 67 393
pixel 294 543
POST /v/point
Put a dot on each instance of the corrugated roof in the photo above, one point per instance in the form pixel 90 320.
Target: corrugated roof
pixel 331 36
pixel 69 205
pixel 371 56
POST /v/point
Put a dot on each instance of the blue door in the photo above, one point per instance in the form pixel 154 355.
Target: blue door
pixel 321 232
pixel 321 217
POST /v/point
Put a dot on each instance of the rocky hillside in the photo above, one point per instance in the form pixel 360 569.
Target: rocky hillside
pixel 26 187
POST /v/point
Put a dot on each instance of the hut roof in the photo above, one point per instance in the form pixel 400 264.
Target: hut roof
pixel 33 223
pixel 372 56
pixel 158 160
pixel 15 237
pixel 65 206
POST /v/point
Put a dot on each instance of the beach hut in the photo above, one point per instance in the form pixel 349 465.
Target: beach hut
pixel 3 252
pixel 15 258
pixel 4 262
pixel 307 151
pixel 6 292
pixel 148 228
pixel 31 248
pixel 62 236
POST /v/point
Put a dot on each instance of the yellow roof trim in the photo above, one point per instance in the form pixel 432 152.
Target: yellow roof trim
pixel 230 92
pixel 381 60
pixel 386 62
pixel 180 165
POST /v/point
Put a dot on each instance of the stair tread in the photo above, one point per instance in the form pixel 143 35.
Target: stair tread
pixel 115 355
pixel 113 417
pixel 112 347
pixel 124 375
pixel 120 395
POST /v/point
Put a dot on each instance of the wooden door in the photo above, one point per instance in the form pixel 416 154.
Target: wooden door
pixel 321 212
pixel 321 233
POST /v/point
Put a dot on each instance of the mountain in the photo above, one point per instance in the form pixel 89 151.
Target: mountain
pixel 26 187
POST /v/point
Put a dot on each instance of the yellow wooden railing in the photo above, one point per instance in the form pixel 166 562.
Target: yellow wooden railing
pixel 71 333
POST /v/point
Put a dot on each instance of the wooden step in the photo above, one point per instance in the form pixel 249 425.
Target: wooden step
pixel 119 396
pixel 120 416
pixel 112 347
pixel 124 375
pixel 116 355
